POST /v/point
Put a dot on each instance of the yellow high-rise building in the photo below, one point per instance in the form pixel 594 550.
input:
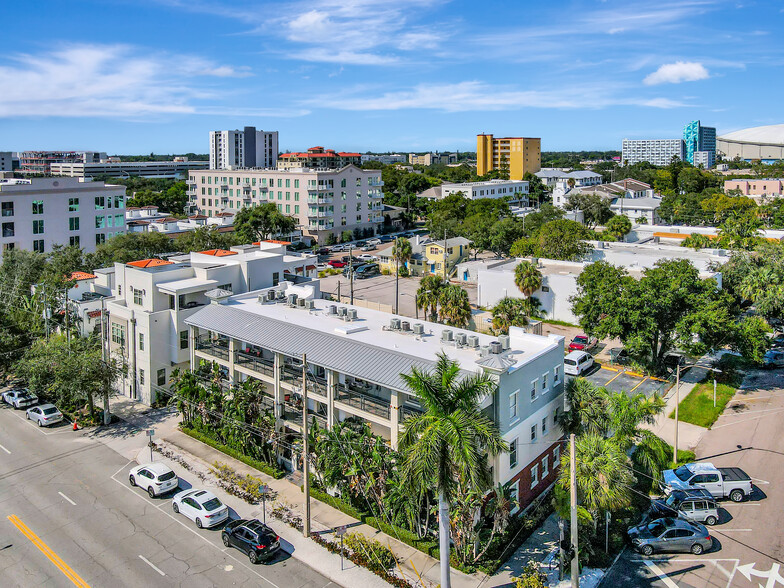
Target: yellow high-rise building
pixel 523 155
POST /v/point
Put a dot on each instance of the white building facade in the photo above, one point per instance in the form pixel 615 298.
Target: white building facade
pixel 148 169
pixel 38 213
pixel 247 148
pixel 385 158
pixel 655 151
pixel 515 190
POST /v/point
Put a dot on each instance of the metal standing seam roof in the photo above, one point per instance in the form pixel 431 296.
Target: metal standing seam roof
pixel 332 351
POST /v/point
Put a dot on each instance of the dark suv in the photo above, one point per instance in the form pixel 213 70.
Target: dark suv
pixel 252 537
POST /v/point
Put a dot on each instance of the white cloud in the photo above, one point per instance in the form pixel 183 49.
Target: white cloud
pixel 675 73
pixel 116 81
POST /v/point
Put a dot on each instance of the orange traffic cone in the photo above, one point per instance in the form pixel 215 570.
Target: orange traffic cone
pixel 75 426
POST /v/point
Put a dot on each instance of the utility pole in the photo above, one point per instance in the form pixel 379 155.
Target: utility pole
pixel 573 512
pixel 445 279
pixel 339 300
pixel 305 461
pixel 104 357
pixel 677 404
pixel 67 321
pixel 351 271
pixel 396 253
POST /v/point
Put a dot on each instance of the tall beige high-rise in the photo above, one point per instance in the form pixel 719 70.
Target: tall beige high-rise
pixel 520 154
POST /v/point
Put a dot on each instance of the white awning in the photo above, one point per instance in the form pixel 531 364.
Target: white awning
pixel 186 286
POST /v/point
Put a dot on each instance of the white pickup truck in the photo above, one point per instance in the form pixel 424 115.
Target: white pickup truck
pixel 732 483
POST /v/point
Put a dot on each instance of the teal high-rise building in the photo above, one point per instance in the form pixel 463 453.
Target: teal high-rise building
pixel 701 141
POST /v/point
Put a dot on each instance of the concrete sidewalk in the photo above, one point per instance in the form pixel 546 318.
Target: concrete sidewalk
pixel 417 567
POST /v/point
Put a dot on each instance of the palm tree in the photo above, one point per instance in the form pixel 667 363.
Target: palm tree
pixel 401 253
pixel 454 306
pixel 532 307
pixel 527 278
pixel 428 295
pixel 447 447
pixel 508 312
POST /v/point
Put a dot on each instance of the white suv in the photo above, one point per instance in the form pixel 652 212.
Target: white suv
pixel 154 477
pixel 577 363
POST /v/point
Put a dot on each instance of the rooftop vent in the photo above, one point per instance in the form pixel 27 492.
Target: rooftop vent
pixel 301 302
pixel 332 309
pixel 281 295
pixel 351 315
pixel 291 300
pixel 419 329
pixel 473 341
pixel 405 326
pixel 496 347
pixel 462 338
pixel 484 351
pixel 446 335
pixel 342 311
pixel 394 324
pixel 270 295
pixel 310 304
pixel 600 244
pixel 505 341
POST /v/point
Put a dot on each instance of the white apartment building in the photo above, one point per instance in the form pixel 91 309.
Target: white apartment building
pixel 153 297
pixel 515 190
pixel 355 358
pixel 495 279
pixel 247 148
pixel 38 213
pixel 321 201
pixel 146 219
pixel 87 298
pixel 655 151
pixel 385 158
pixel 147 169
pixel 576 179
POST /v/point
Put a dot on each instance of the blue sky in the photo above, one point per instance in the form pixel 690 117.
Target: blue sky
pixel 138 76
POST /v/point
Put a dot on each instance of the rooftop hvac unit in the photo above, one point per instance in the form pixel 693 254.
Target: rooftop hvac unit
pixel 301 302
pixel 600 244
pixel 446 335
pixel 342 311
pixel 281 295
pixel 332 309
pixel 484 350
pixel 496 347
pixel 270 295
pixel 351 315
pixel 291 300
pixel 394 324
pixel 419 329
pixel 461 338
pixel 473 341
pixel 310 304
pixel 405 326
pixel 504 340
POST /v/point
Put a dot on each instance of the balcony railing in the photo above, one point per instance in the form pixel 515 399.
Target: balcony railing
pixel 363 401
pixel 293 375
pixel 407 411
pixel 216 347
pixel 256 363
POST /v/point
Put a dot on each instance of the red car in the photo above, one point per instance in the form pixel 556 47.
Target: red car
pixel 582 343
pixel 337 264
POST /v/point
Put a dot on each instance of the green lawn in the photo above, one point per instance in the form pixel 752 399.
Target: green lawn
pixel 697 408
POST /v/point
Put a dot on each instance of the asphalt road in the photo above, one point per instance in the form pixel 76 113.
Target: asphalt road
pixel 69 517
pixel 749 541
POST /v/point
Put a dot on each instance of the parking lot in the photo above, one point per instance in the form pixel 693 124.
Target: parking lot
pixel 619 379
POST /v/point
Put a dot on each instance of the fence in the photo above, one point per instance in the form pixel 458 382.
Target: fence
pixel 360 302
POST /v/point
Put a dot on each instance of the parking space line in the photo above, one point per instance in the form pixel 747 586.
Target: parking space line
pixel 29 423
pixel 610 369
pixel 638 385
pixel 733 531
pixel 68 499
pixel 635 374
pixel 615 376
pixel 660 573
pixel 4 449
pixel 152 565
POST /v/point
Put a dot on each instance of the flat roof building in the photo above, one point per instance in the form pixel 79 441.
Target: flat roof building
pixel 40 162
pixel 515 190
pixel 247 148
pixel 518 155
pixel 147 169
pixel 318 158
pixel 654 151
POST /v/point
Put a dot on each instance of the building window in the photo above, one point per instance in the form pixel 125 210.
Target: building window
pixel 513 405
pixel 544 426
pixel 38 227
pixel 555 416
pixel 38 206
pixel 118 334
pixel 8 230
pixel 183 339
pixel 545 288
pixel 534 475
pixel 73 205
pixel 533 390
pixel 100 238
pixel 275 278
pixel 7 208
pixel 138 297
pixel 556 375
pixel 533 432
pixel 118 220
pixel 162 377
pixel 545 466
pixel 38 245
pixel 544 383
pixel 74 241
pixel 513 453
pixel 556 456
pixel 141 377
pixel 73 223
pixel 100 222
pixel 141 341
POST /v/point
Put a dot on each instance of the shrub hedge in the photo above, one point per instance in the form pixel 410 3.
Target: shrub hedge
pixel 276 473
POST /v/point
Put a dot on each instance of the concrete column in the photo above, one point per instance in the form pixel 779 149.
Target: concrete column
pixel 232 372
pixel 193 335
pixel 278 389
pixel 332 381
pixel 394 417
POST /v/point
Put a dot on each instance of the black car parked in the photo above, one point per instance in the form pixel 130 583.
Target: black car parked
pixel 252 537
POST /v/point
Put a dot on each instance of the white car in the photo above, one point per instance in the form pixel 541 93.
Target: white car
pixel 366 257
pixel 577 363
pixel 20 398
pixel 200 506
pixel 155 477
pixel 45 415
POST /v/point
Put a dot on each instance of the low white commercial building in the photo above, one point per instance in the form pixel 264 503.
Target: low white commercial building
pixel 146 219
pixel 577 179
pixel 355 358
pixel 559 278
pixel 117 169
pixel 385 158
pixel 644 211
pixel 515 190
pixel 38 213
pixel 153 297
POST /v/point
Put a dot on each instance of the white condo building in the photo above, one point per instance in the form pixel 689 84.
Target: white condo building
pixel 247 148
pixel 654 151
pixel 385 158
pixel 515 190
pixel 38 213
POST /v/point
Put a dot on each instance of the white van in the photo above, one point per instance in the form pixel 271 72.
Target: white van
pixel 577 363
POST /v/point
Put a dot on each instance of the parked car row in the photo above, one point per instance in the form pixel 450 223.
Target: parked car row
pixel 250 536
pixel 44 415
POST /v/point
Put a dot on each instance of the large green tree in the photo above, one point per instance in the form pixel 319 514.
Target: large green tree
pixel 527 278
pixel 595 207
pixel 454 308
pixel 262 222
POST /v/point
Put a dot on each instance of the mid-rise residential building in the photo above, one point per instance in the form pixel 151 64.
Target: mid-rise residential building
pixel 152 298
pixel 87 298
pixel 117 169
pixel 354 360
pixel 385 158
pixel 699 140
pixel 318 158
pixel 518 155
pixel 758 187
pixel 38 213
pixel 322 201
pixel 245 148
pixel 428 256
pixel 575 179
pixel 515 191
pixel 40 162
pixel 432 158
pixel 654 151
pixel 6 161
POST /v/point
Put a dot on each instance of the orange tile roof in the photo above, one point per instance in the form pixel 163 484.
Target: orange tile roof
pixel 274 241
pixel 149 262
pixel 218 252
pixel 78 276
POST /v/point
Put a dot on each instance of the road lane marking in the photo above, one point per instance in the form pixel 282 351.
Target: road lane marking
pixel 4 449
pixel 51 555
pixel 662 576
pixel 68 499
pixel 152 565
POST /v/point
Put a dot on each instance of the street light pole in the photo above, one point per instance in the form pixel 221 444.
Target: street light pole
pixel 677 404
pixel 573 511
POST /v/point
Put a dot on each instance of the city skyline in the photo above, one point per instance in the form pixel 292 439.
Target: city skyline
pixel 409 75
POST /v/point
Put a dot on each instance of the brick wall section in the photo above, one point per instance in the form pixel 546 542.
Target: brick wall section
pixel 526 494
